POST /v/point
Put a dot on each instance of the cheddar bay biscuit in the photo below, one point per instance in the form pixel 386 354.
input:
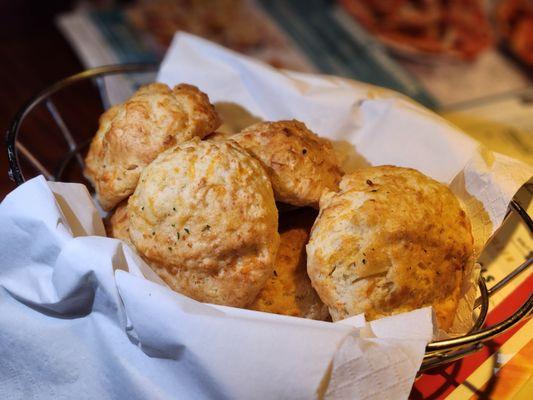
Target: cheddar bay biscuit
pixel 204 217
pixel 132 134
pixel 300 164
pixel 288 291
pixel 391 240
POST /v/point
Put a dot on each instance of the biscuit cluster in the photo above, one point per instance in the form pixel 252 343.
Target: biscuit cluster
pixel 208 213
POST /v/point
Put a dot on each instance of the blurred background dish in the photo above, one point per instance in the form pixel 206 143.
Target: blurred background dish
pixel 457 28
pixel 514 19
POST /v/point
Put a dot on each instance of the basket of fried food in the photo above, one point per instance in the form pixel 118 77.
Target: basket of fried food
pixel 265 219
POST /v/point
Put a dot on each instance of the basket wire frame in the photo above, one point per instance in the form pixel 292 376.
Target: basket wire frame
pixel 437 353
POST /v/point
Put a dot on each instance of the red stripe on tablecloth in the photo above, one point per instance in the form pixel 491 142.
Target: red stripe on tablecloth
pixel 512 377
pixel 442 381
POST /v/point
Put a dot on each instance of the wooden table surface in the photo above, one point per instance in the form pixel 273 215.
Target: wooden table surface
pixel 33 55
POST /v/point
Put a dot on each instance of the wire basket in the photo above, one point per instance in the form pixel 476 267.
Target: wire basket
pixel 63 161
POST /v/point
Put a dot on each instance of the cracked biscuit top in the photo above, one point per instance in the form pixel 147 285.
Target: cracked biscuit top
pixel 132 134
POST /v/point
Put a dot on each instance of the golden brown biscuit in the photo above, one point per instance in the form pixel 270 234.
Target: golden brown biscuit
pixel 300 164
pixel 117 226
pixel 289 290
pixel 132 134
pixel 391 240
pixel 204 216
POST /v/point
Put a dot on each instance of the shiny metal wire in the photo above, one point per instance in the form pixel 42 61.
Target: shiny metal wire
pixel 437 353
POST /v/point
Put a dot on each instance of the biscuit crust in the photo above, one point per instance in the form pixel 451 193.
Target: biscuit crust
pixel 391 240
pixel 288 291
pixel 300 164
pixel 204 217
pixel 132 134
pixel 117 225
